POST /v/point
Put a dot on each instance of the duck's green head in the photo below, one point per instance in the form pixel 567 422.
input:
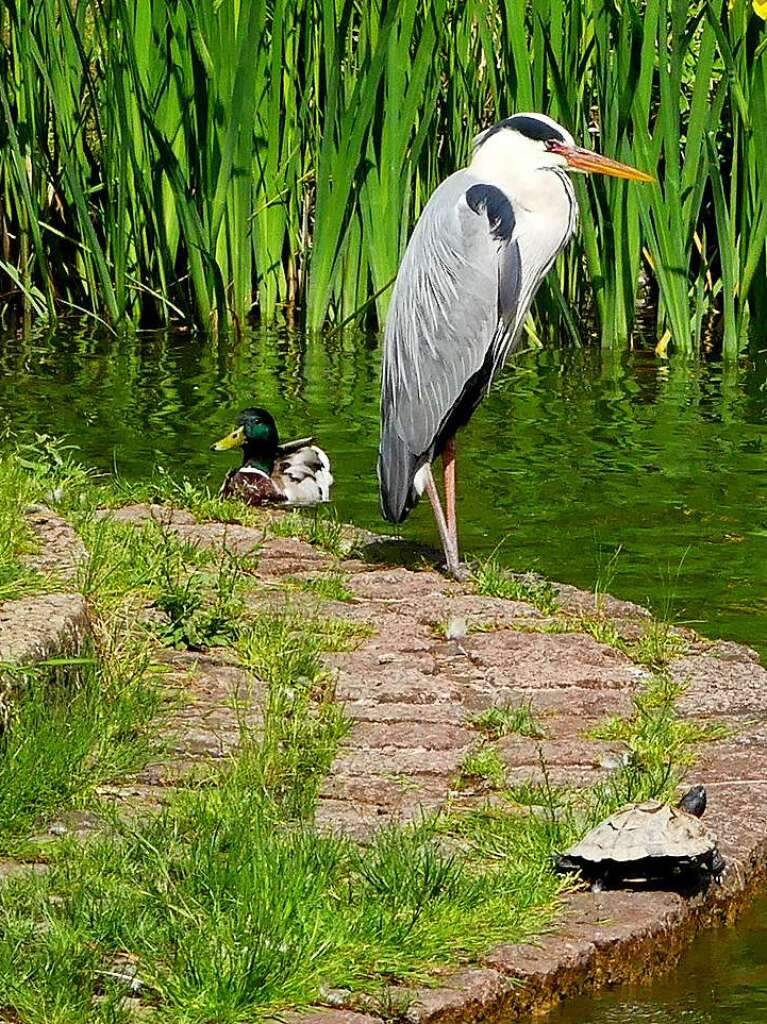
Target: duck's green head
pixel 256 434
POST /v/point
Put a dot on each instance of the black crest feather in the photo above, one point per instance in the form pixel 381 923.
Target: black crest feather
pixel 530 127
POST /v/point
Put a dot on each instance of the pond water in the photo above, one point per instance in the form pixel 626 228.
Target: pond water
pixel 648 477
pixel 722 980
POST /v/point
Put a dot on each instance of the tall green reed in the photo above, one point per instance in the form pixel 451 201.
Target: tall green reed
pixel 206 163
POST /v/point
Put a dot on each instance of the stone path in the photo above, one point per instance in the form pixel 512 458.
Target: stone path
pixel 411 694
pixel 47 624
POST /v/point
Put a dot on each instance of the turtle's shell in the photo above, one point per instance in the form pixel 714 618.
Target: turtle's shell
pixel 644 832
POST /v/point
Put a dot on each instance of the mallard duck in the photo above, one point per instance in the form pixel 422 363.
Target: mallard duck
pixel 296 473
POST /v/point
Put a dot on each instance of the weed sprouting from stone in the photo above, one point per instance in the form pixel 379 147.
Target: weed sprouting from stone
pixel 492 580
pixel 329 586
pixel 655 734
pixel 500 721
pixel 658 645
pixel 203 608
pixel 602 629
pixel 484 765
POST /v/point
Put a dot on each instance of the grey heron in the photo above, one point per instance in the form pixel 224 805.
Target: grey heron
pixel 483 244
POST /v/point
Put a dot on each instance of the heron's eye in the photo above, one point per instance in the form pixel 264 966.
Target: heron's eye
pixel 557 146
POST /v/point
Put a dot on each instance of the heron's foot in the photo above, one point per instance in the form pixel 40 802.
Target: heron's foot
pixel 459 571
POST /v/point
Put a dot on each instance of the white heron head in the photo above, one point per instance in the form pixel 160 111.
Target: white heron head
pixel 531 142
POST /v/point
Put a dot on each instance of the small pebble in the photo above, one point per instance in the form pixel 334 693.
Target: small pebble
pixel 338 997
pixel 456 628
pixel 640 673
pixel 613 761
pixel 124 972
pixel 58 828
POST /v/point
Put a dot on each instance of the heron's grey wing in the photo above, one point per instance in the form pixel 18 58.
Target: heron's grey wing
pixel 452 320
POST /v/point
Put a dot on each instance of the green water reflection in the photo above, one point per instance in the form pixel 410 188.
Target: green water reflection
pixel 574 455
pixel 722 980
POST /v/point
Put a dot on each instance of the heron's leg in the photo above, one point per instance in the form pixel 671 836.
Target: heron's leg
pixel 448 465
pixel 451 557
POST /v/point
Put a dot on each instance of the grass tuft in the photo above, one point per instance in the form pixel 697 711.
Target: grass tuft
pixel 203 609
pixel 71 727
pixel 484 765
pixel 329 586
pixel 324 530
pixel 601 628
pixel 657 737
pixel 658 645
pixel 501 721
pixel 280 647
pixel 492 580
pixel 17 543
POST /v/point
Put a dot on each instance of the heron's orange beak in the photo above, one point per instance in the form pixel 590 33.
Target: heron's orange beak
pixel 586 160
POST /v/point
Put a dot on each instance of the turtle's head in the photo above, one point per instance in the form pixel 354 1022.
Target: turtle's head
pixel 694 801
pixel 256 433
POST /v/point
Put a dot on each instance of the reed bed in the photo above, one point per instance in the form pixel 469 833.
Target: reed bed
pixel 212 162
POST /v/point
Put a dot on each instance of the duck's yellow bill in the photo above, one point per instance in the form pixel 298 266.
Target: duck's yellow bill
pixel 234 440
pixel 594 163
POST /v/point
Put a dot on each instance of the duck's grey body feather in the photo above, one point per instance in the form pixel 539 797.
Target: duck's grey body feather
pixel 302 473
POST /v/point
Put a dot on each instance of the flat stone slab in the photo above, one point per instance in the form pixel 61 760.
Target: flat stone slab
pixel 214 701
pixel 140 514
pixel 233 536
pixel 34 629
pixel 42 626
pixel 61 551
pixel 720 686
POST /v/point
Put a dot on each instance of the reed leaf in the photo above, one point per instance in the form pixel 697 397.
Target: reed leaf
pixel 216 163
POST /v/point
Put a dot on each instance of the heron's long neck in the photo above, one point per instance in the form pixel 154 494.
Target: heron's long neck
pixel 569 189
pixel 541 234
pixel 545 210
pixel 542 230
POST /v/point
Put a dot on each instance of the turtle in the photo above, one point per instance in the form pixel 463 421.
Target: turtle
pixel 648 842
